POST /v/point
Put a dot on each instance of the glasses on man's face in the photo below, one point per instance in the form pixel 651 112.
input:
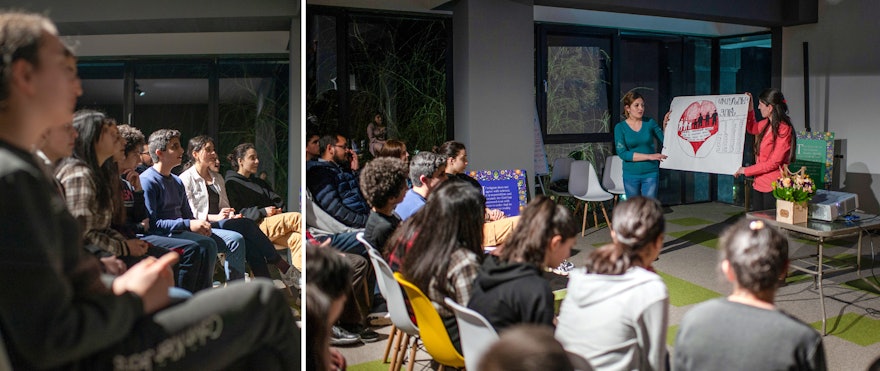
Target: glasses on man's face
pixel 343 147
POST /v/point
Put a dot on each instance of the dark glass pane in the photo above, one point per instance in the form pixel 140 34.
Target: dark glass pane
pixel 171 95
pixel 578 83
pixel 322 106
pixel 103 84
pixel 397 66
pixel 253 107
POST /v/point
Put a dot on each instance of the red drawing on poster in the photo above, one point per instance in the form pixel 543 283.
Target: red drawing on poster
pixel 698 123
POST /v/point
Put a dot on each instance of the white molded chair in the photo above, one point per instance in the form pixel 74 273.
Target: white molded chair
pixel 402 328
pixel 612 176
pixel 476 333
pixel 561 170
pixel 584 185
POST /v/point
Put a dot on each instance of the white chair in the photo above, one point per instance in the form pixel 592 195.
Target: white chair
pixel 584 185
pixel 612 176
pixel 476 333
pixel 561 171
pixel 402 328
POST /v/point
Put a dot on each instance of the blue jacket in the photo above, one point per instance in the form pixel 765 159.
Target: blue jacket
pixel 337 191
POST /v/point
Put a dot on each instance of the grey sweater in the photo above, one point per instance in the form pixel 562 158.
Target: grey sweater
pixel 724 335
pixel 617 322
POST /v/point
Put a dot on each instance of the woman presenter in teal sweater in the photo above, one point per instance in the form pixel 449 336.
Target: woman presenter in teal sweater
pixel 634 141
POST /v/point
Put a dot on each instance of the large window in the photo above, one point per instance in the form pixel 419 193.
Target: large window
pixel 232 100
pixel 358 64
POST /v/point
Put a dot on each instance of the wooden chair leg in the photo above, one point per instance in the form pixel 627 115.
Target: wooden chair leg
pixel 412 356
pixel 605 214
pixel 388 346
pixel 595 218
pixel 400 352
pixel 442 367
pixel 394 347
pixel 584 225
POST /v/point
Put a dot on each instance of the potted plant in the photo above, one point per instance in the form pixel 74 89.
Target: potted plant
pixel 792 191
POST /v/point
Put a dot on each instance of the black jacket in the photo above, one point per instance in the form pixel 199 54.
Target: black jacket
pixel 250 196
pixel 512 293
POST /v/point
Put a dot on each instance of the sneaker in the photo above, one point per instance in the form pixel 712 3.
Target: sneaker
pixel 338 336
pixel 292 278
pixel 563 268
pixel 379 319
pixel 369 336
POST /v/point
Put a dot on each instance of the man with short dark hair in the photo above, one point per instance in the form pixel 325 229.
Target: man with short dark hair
pixel 334 184
pixel 426 171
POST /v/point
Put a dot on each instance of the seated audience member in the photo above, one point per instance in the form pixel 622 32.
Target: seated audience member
pixel 426 171
pixel 394 148
pixel 383 182
pixel 328 277
pixel 438 249
pixel 616 311
pixel 510 288
pixel 169 211
pixel 58 142
pixel 526 348
pixel 333 182
pixel 206 194
pixel 91 188
pixel 256 200
pixel 55 310
pixel 745 331
pixel 498 226
pixel 195 270
pixel 313 150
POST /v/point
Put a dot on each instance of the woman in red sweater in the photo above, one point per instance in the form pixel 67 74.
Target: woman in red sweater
pixel 774 138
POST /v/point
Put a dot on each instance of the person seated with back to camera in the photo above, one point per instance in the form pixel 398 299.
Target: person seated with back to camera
pixel 510 288
pixel 616 311
pixel 746 331
pixel 206 195
pixel 256 200
pixel 439 248
pixel 527 347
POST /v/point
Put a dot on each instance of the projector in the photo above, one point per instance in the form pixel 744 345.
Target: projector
pixel 829 205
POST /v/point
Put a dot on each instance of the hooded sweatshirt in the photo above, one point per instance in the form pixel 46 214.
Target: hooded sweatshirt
pixel 617 322
pixel 512 293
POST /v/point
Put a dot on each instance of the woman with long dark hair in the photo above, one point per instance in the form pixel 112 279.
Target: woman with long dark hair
pixel 206 193
pixel 439 247
pixel 510 288
pixel 91 187
pixel 616 310
pixel 774 146
pixel 255 199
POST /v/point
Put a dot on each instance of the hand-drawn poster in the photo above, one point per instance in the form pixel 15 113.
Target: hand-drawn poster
pixel 706 133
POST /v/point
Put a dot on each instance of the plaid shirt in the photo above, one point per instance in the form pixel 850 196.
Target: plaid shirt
pixel 81 196
pixel 463 268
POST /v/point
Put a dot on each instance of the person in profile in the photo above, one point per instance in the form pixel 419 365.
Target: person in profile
pixel 745 330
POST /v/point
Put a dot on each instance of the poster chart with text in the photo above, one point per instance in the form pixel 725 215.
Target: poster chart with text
pixel 706 133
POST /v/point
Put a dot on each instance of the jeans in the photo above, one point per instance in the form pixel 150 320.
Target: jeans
pixel 232 243
pixel 259 249
pixel 195 270
pixel 641 186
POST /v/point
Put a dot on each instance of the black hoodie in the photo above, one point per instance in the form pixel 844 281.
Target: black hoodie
pixel 512 293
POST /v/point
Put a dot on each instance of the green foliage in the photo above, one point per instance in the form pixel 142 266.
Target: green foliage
pixel 402 73
pixel 576 90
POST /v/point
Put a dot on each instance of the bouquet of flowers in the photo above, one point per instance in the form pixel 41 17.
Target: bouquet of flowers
pixel 793 186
